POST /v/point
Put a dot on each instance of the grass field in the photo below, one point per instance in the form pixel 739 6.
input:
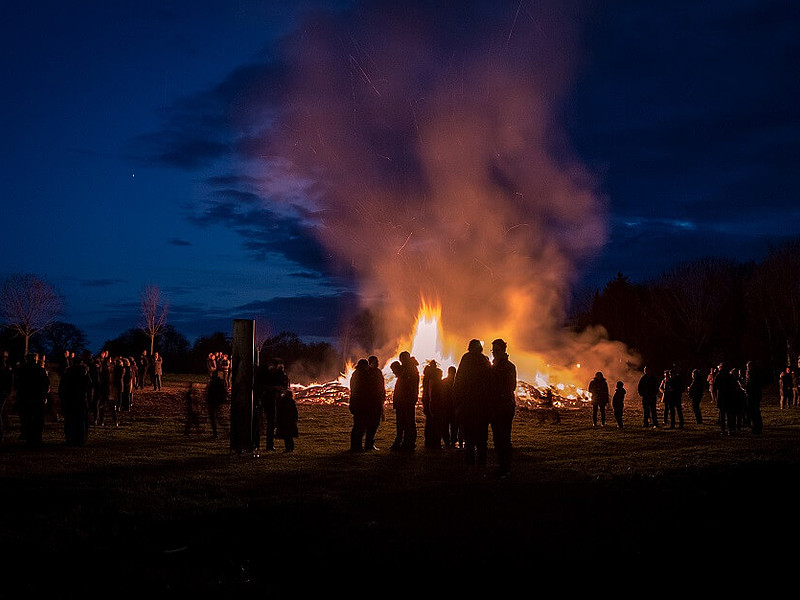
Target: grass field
pixel 152 507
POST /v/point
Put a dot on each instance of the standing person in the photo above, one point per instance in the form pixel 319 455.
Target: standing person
pixel 618 403
pixel 158 371
pixel 432 404
pixel 752 386
pixel 211 365
pixel 503 405
pixel 786 385
pixel 134 375
pixel 106 399
pixel 75 390
pixel 286 418
pixel 673 395
pixel 144 368
pixel 598 392
pixel 6 387
pixel 695 392
pixel 216 397
pixel 33 385
pixel 648 391
pixel 662 388
pixel 271 383
pixel 450 433
pixel 360 404
pixel 404 401
pixel 377 399
pixel 224 366
pixel 471 395
pixel 724 391
pixel 127 385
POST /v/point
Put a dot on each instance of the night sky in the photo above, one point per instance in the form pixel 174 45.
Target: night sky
pixel 228 151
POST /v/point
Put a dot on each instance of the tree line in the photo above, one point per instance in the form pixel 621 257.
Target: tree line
pixel 695 315
pixel 702 312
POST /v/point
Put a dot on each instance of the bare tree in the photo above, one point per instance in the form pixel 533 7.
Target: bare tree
pixel 154 313
pixel 28 304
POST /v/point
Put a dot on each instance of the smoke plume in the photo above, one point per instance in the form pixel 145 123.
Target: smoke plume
pixel 429 143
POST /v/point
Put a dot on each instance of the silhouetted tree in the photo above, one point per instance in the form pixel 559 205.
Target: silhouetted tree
pixel 128 343
pixel 154 313
pixel 60 336
pixel 695 309
pixel 28 304
pixel 174 348
pixel 773 302
pixel 306 362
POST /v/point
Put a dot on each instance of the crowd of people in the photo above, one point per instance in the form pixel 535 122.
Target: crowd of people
pixel 736 395
pixel 459 408
pixel 91 391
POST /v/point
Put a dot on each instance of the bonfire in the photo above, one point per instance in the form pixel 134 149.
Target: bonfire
pixel 426 344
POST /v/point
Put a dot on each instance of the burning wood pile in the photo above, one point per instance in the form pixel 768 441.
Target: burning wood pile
pixel 426 343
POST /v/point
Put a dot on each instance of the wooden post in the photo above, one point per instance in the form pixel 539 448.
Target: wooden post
pixel 242 373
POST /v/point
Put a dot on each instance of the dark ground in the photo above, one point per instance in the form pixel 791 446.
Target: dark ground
pixel 148 508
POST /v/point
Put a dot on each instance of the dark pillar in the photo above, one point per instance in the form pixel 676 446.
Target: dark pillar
pixel 242 372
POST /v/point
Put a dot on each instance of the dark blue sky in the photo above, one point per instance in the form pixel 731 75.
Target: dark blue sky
pixel 215 149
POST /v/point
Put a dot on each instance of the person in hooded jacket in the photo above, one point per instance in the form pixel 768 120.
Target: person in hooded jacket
pixel 404 401
pixel 472 390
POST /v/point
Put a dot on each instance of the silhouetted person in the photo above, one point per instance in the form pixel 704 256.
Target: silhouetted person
pixel 107 400
pixel 286 420
pixel 144 369
pixel 648 391
pixel 211 364
pixel 6 387
pixel 740 400
pixel 724 391
pixel 662 388
pixel 753 388
pixel 75 390
pixel 192 419
pixel 598 392
pixel 360 404
pixel 450 430
pixel 271 382
pixel 786 386
pixel 404 400
pixel 377 400
pixel 696 390
pixel 618 403
pixel 33 385
pixel 432 404
pixel 673 397
pixel 471 395
pixel 217 396
pixel 503 405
